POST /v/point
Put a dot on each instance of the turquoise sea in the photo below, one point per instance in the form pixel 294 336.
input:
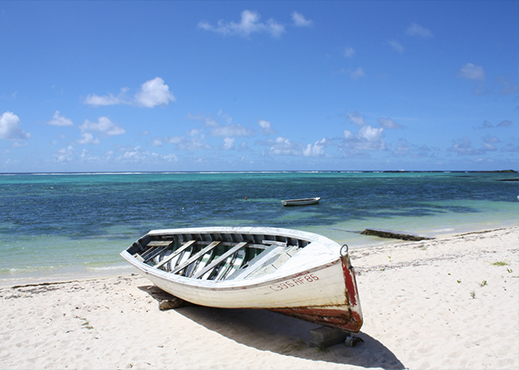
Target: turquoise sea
pixel 60 226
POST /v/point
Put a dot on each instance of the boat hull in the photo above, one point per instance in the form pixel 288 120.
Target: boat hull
pixel 301 202
pixel 325 293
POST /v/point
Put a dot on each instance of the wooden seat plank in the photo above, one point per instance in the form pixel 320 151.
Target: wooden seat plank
pixel 154 253
pixel 220 259
pixel 154 248
pixel 175 253
pixel 196 256
pixel 159 243
pixel 257 262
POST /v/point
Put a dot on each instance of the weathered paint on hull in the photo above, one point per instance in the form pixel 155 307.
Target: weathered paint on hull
pixel 346 317
pixel 342 319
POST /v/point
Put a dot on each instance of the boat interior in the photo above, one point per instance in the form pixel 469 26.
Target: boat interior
pixel 216 257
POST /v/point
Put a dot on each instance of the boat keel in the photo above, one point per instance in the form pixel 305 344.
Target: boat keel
pixel 346 320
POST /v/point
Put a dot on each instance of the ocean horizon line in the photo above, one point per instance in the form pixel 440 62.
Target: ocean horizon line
pixel 253 171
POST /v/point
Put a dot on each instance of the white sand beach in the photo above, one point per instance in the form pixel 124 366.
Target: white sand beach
pixel 450 303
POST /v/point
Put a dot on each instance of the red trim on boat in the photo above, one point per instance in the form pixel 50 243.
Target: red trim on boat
pixel 349 280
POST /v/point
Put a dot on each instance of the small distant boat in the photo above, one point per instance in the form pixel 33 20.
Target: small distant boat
pixel 301 202
pixel 296 273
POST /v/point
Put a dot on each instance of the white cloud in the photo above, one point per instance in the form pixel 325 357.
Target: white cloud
pixel 228 143
pixel 153 93
pixel 511 148
pixel 219 130
pixel 87 138
pixel 370 133
pixel 402 148
pixel 472 72
pixel 507 86
pixel 367 138
pixel 489 147
pixel 103 125
pixel 464 146
pixel 283 146
pixel 249 24
pixel 140 155
pixel 110 99
pixel 265 127
pixel 65 154
pixel 224 116
pixel 388 123
pixel 485 124
pixel 96 100
pixel 349 52
pixel 10 127
pixel 396 45
pixel 194 141
pixel 504 123
pixel 416 30
pixel 174 139
pixel 405 148
pixel 299 20
pixel 207 120
pixel 59 120
pixel 170 158
pixel 231 131
pixel 315 150
pixel 195 132
pixel 357 73
pixel 356 118
pixel 168 140
pixel 17 144
pixel 491 139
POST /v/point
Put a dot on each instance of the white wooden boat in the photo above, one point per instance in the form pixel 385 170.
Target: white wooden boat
pixel 293 272
pixel 301 202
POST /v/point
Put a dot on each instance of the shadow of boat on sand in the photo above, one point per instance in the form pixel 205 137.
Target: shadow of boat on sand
pixel 270 331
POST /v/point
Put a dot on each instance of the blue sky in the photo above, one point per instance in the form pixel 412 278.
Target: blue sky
pixel 234 86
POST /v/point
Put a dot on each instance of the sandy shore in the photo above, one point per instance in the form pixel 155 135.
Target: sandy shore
pixel 438 304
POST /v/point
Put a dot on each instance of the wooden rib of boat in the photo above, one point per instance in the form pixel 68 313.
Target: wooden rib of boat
pixel 293 272
pixel 301 202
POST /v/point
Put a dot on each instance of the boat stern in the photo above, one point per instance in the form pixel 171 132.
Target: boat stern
pixel 346 316
pixel 352 292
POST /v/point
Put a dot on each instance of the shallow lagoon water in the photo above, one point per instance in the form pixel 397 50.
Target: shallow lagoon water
pixel 70 225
